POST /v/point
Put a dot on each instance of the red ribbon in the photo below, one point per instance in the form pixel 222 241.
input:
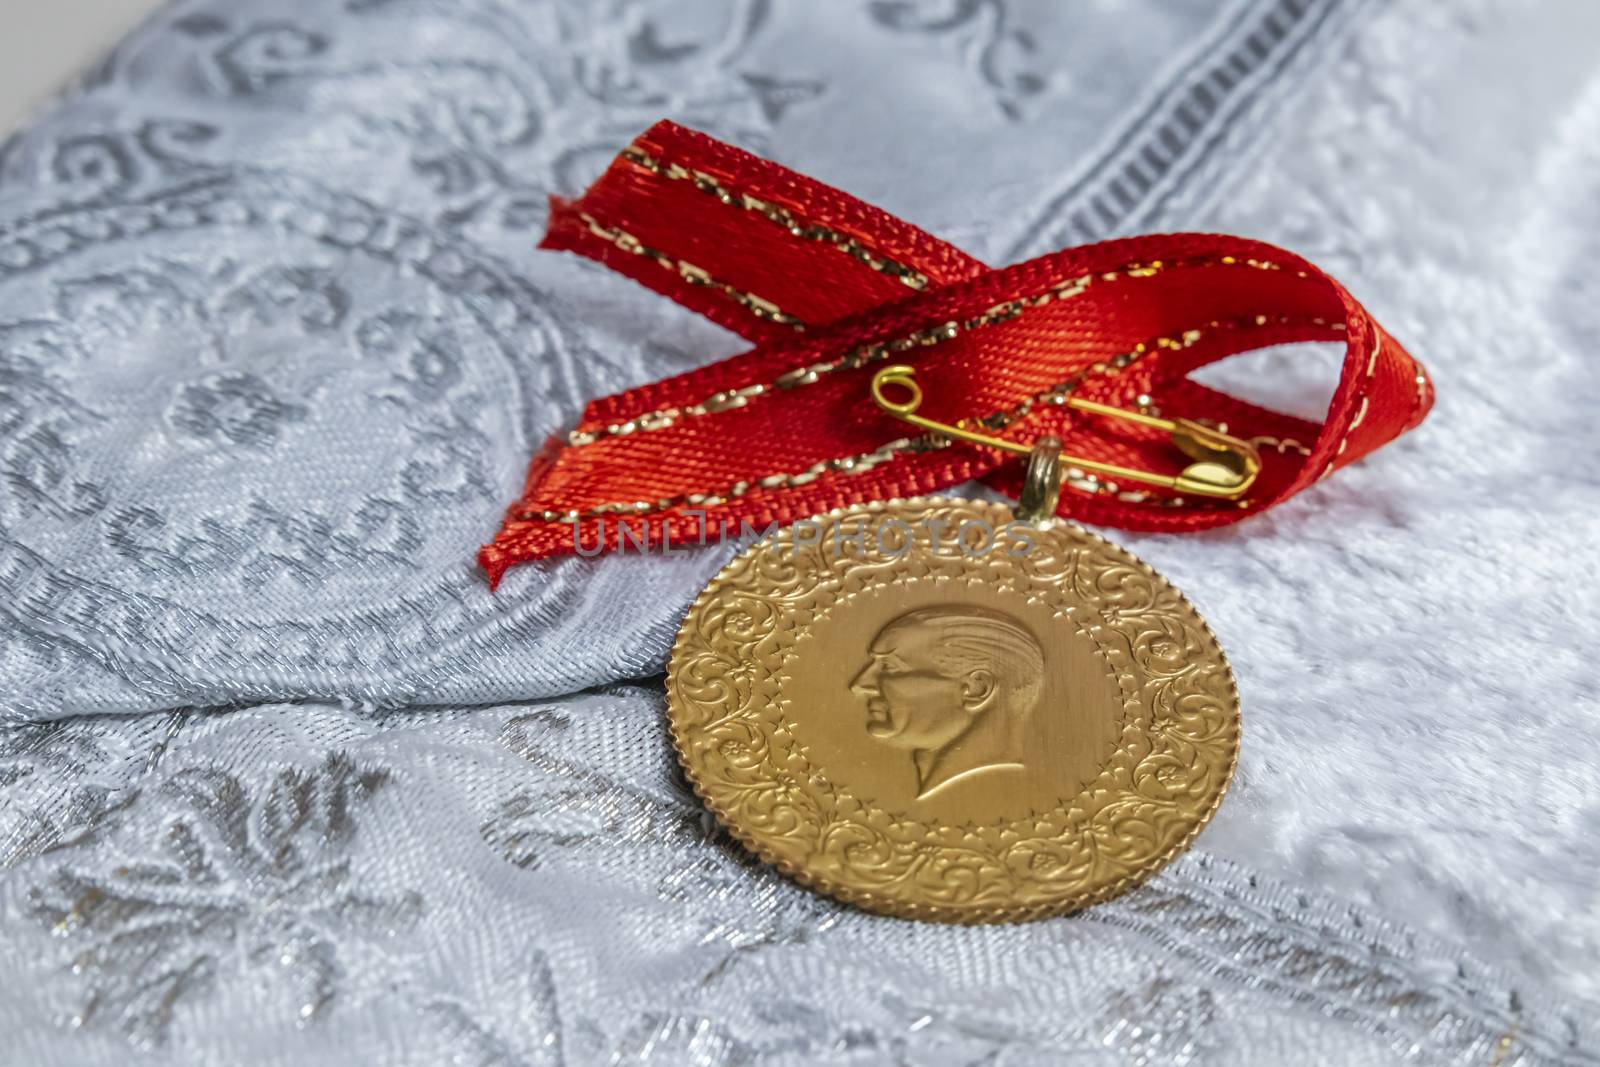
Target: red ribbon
pixel 831 288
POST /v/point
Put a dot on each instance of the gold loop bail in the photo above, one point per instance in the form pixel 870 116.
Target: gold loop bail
pixel 1041 486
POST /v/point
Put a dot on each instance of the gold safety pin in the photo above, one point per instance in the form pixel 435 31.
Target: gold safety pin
pixel 1224 465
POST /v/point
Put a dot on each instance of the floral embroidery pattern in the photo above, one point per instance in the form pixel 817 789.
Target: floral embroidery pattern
pixel 238 408
pixel 52 799
pixel 236 878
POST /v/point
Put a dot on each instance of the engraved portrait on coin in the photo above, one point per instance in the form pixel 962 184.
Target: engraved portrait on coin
pixel 954 685
pixel 931 731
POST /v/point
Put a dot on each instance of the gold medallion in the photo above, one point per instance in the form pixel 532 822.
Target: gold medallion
pixel 931 709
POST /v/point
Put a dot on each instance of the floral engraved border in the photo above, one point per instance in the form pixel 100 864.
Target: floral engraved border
pixel 1163 781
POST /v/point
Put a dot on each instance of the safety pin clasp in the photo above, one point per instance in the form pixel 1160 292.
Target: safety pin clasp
pixel 1224 466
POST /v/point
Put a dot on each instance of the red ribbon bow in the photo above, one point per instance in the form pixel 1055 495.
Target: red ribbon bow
pixel 831 289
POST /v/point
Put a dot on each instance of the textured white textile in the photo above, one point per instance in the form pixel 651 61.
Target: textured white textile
pixel 281 781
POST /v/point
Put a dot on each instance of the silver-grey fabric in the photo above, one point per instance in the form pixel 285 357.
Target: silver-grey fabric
pixel 281 782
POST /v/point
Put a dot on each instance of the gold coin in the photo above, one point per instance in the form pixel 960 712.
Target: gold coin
pixel 928 709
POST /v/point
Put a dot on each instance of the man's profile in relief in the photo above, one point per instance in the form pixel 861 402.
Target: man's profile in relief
pixel 955 685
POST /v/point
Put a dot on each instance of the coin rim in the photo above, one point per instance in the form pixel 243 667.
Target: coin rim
pixel 977 914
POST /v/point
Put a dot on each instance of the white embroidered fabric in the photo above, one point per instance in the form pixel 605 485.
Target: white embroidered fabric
pixel 282 783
